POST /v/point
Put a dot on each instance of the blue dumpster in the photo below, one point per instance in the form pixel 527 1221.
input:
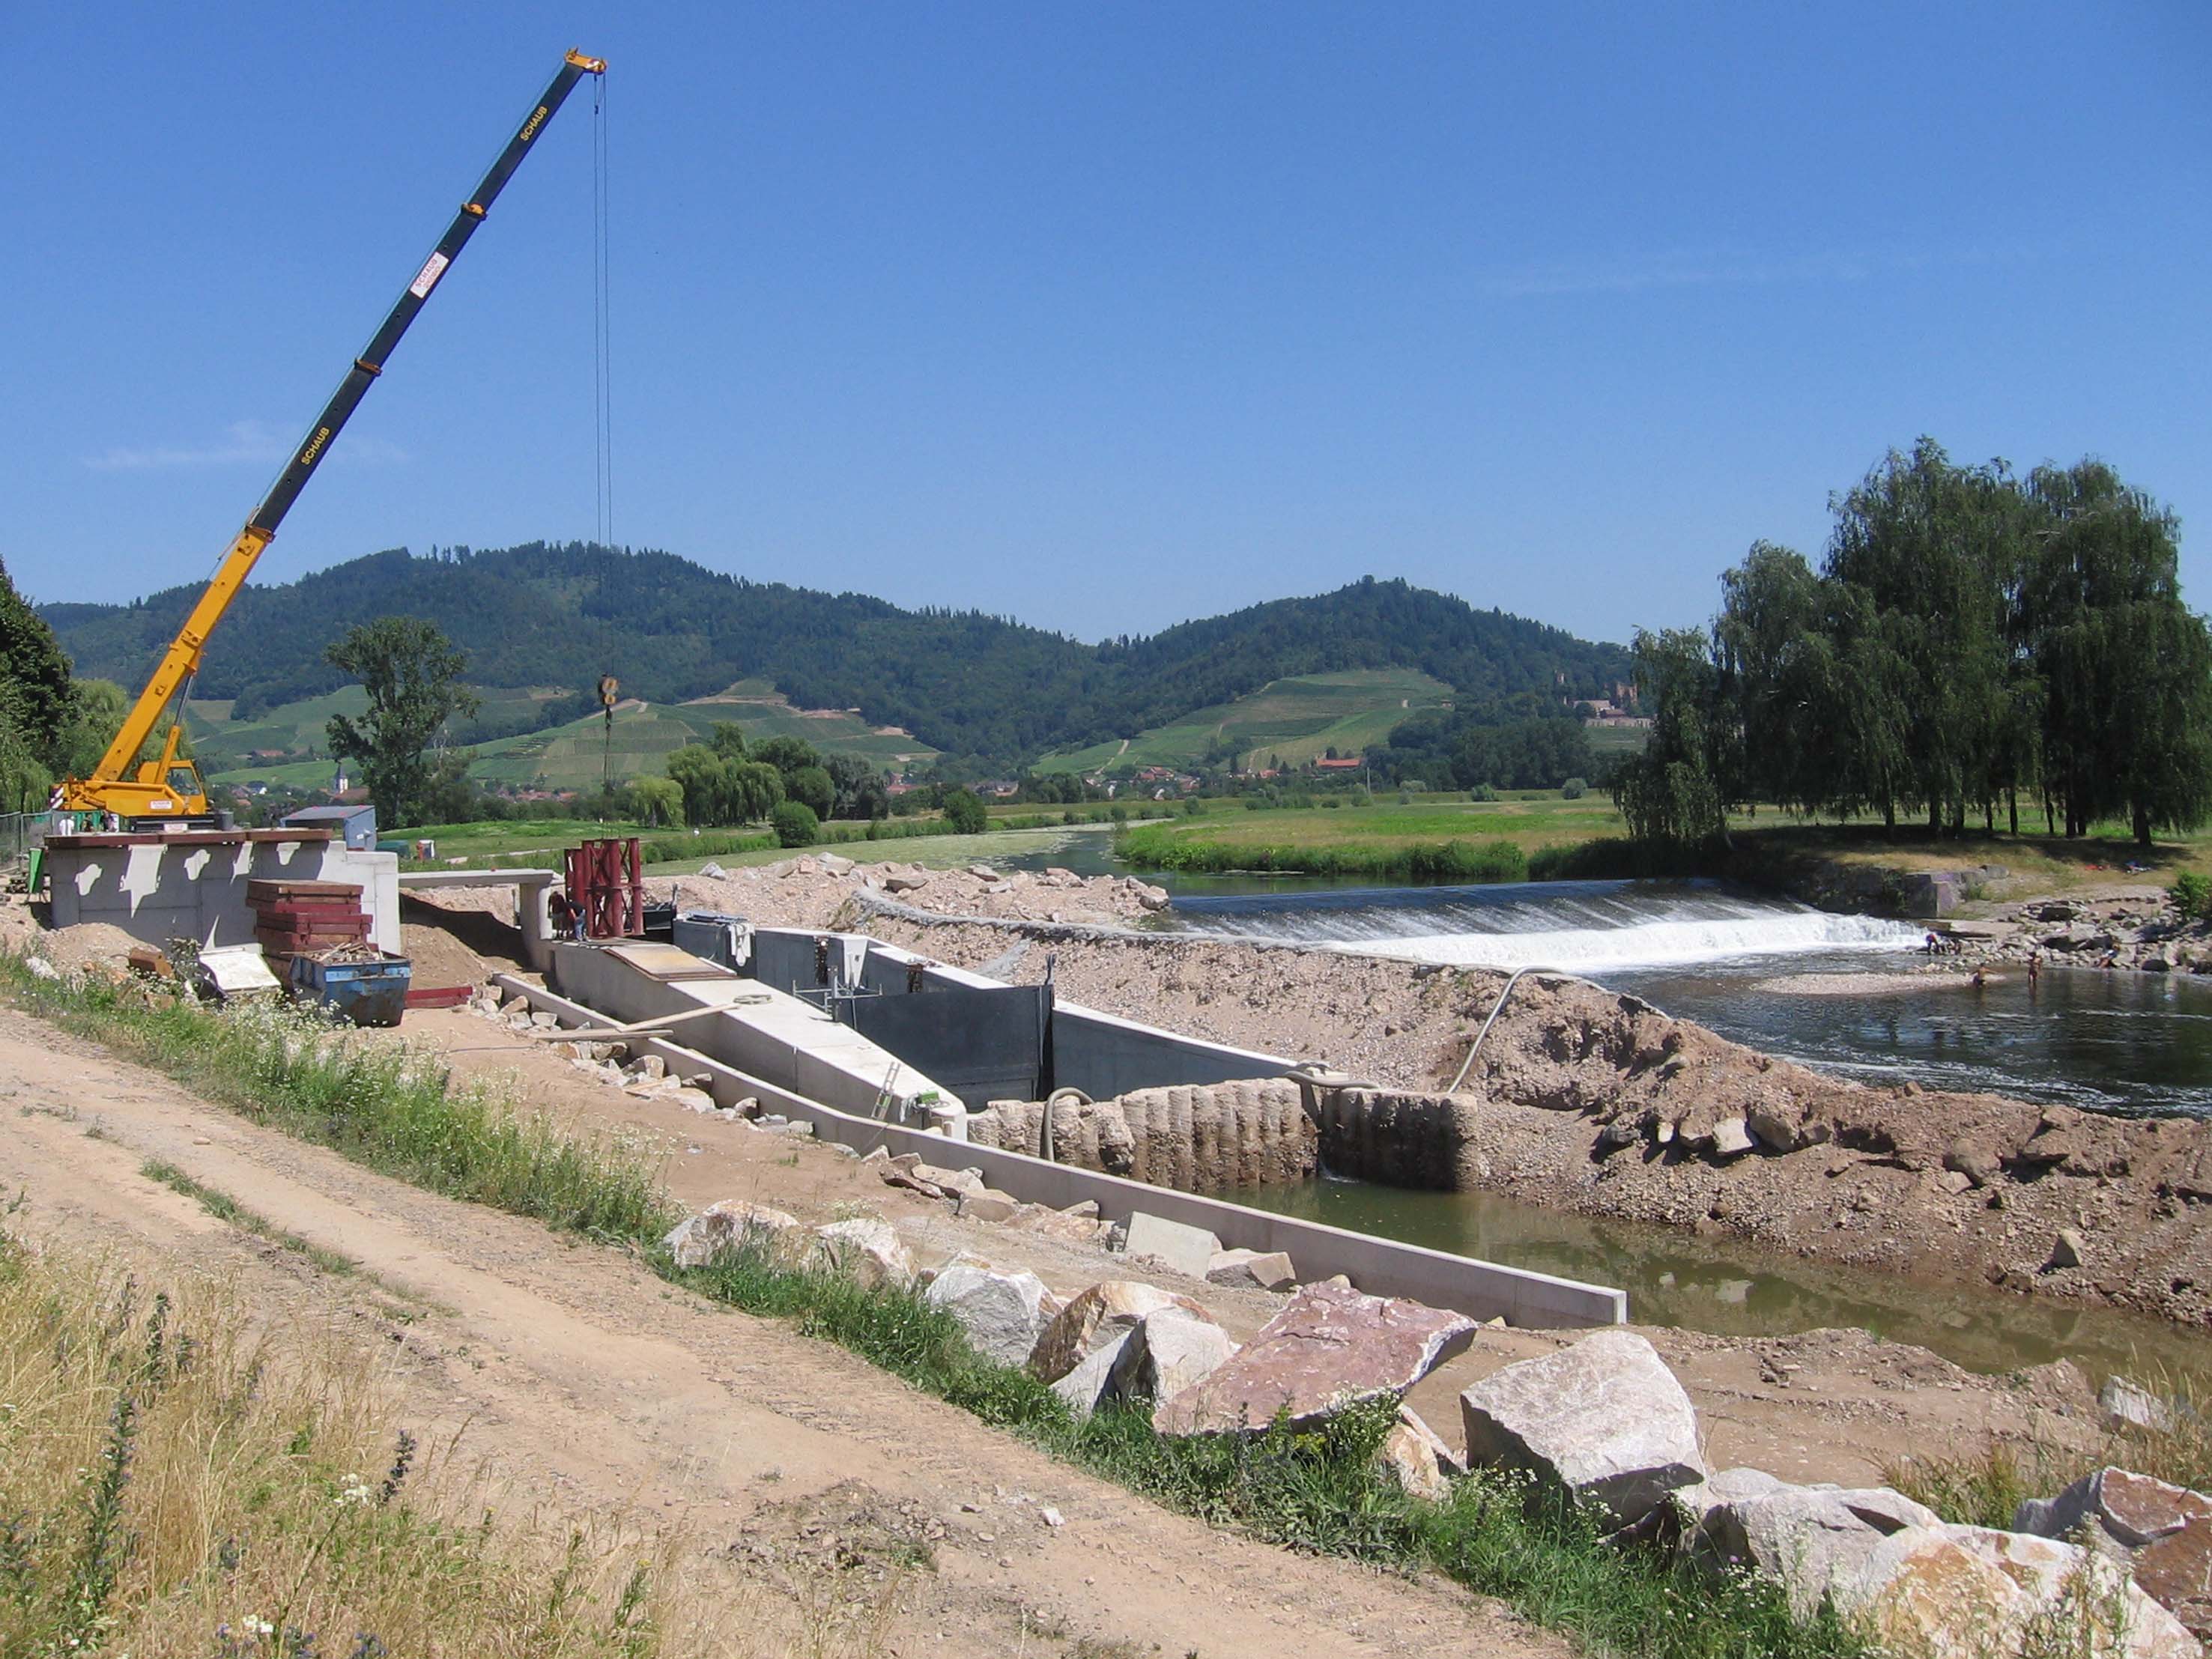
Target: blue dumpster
pixel 365 993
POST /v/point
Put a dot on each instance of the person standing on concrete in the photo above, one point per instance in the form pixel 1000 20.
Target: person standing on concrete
pixel 569 915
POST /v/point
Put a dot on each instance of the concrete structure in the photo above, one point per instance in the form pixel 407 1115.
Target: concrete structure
pixel 354 825
pixel 763 1032
pixel 599 983
pixel 190 884
pixel 1100 1053
pixel 533 908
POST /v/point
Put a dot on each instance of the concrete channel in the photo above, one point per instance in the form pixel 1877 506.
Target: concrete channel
pixel 811 1058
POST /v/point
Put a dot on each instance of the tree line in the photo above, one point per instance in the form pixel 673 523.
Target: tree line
pixel 1971 638
pixel 1525 741
pixel 967 684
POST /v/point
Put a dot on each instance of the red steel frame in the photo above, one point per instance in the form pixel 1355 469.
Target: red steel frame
pixel 607 878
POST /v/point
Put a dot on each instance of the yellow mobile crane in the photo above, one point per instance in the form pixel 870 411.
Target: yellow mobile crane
pixel 168 789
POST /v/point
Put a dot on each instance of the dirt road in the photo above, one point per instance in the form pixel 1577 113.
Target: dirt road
pixel 577 1373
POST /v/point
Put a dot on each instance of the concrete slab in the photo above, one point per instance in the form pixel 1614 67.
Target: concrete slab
pixel 1186 1248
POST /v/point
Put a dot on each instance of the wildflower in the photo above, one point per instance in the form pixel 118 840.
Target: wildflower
pixel 354 1491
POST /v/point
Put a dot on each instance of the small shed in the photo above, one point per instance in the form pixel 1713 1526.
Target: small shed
pixel 355 825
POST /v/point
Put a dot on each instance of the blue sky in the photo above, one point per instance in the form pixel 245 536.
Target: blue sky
pixel 1102 316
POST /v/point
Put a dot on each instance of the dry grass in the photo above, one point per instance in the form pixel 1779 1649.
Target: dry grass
pixel 177 1482
pixel 1985 1486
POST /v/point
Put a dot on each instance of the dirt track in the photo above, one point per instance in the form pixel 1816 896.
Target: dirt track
pixel 580 1374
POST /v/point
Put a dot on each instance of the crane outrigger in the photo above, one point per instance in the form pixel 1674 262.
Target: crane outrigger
pixel 169 788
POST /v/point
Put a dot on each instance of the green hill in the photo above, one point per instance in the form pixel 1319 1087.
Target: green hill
pixel 962 681
pixel 1291 721
pixel 644 735
pixel 283 745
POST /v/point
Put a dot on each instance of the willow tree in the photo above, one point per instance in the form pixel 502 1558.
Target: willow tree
pixel 1674 794
pixel 2124 667
pixel 412 674
pixel 1937 549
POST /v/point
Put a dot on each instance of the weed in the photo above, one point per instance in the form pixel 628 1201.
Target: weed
pixel 393 1109
pixel 224 1207
pixel 1320 1491
pixel 177 1486
pixel 1985 1486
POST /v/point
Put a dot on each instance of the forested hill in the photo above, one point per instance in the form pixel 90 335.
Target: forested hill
pixel 962 681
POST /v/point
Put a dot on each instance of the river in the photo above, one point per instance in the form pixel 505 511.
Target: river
pixel 1847 993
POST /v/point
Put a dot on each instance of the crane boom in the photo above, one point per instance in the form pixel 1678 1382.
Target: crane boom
pixel 170 785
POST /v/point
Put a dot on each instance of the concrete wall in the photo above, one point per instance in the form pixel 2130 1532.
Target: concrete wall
pixel 192 884
pixel 1097 1053
pixel 768 1033
pixel 1383 1266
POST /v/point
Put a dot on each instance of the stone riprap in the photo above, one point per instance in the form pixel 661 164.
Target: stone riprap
pixel 1002 1313
pixel 2164 1532
pixel 1173 1244
pixel 1258 1270
pixel 1171 1352
pixel 1329 1347
pixel 1603 1420
pixel 731 1224
pixel 1104 1313
pixel 866 1250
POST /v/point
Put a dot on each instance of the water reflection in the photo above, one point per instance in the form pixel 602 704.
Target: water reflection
pixel 1730 1289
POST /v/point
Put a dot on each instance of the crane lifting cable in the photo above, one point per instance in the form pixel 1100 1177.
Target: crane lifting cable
pixel 603 422
pixel 168 789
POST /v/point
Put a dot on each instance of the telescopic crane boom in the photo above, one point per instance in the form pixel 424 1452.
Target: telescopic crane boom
pixel 170 786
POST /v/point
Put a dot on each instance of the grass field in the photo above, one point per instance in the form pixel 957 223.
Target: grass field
pixel 1588 837
pixel 512 842
pixel 1293 720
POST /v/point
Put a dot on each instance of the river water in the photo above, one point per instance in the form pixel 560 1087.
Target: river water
pixel 1842 993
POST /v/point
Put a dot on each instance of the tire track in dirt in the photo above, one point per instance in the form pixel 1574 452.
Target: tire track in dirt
pixel 572 1367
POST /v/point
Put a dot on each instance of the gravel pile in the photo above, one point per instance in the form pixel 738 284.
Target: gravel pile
pixel 813 892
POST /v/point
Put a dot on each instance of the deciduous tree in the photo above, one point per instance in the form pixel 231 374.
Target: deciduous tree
pixel 412 674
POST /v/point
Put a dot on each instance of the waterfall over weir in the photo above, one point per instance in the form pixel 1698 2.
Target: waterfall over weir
pixel 1587 925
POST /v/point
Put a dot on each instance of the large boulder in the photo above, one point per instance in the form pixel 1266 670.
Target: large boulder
pixel 2163 1532
pixel 1804 1538
pixel 866 1250
pixel 1097 1316
pixel 1003 1313
pixel 1256 1270
pixel 1330 1347
pixel 2076 1601
pixel 1171 1352
pixel 1090 1384
pixel 1175 1244
pixel 1921 1593
pixel 1603 1420
pixel 734 1223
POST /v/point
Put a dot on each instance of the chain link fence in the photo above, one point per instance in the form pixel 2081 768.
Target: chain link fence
pixel 22 831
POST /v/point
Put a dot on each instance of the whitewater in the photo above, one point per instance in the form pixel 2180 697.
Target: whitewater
pixel 1579 926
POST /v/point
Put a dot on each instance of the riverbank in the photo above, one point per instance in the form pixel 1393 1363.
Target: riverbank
pixel 1593 1101
pixel 1858 866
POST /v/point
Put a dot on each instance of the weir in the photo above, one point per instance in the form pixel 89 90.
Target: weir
pixel 1583 926
pixel 797 1053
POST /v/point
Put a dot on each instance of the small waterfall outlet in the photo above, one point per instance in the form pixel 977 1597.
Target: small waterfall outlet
pixel 1585 924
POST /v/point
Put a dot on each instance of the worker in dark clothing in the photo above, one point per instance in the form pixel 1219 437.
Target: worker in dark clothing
pixel 569 915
